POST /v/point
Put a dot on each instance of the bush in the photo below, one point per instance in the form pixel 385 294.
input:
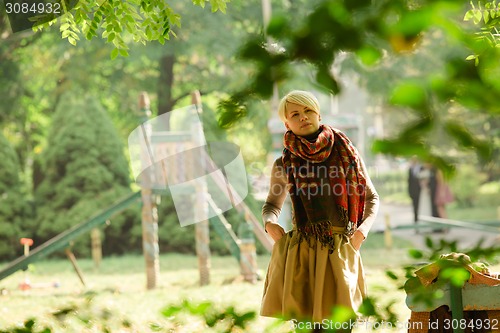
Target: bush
pixel 465 185
pixel 15 216
pixel 488 194
pixel 84 170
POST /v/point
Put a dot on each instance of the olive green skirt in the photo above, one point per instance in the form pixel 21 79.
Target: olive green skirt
pixel 304 281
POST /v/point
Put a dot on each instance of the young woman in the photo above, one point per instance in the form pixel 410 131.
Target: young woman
pixel 317 264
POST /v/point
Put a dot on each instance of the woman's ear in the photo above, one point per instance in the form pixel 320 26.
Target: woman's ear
pixel 286 125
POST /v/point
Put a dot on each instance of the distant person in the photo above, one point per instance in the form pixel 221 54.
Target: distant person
pixel 426 180
pixel 414 185
pixel 443 195
pixel 428 177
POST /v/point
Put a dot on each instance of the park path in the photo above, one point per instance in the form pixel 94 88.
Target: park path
pixel 400 214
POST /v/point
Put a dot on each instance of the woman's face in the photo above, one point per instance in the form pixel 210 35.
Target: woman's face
pixel 301 120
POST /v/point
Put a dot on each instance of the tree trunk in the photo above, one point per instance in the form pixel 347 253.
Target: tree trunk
pixel 166 81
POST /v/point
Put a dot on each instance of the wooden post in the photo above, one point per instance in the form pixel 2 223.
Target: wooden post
pixel 149 212
pixel 72 258
pixel 96 247
pixel 201 203
pixel 248 253
pixel 387 232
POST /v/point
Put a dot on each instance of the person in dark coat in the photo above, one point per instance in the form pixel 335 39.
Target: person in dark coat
pixel 414 185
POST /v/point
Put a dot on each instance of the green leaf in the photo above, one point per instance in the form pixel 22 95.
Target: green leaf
pixel 200 3
pixel 171 310
pixel 399 147
pixel 65 33
pixel 429 243
pixel 486 16
pixel 201 308
pixel 467 140
pixel 64 26
pixel 416 254
pixel 477 16
pixel 114 53
pixel 469 15
pixel 278 26
pixel 218 5
pixel 391 275
pixel 409 94
pixel 369 55
pixel 456 275
pixel 111 37
pixel 367 308
pixel 326 79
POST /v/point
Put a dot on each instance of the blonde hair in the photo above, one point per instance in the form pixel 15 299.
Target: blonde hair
pixel 300 97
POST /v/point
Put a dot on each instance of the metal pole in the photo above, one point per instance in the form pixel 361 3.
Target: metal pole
pixel 457 308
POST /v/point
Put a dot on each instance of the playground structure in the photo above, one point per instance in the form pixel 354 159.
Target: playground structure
pixel 180 161
pixel 206 210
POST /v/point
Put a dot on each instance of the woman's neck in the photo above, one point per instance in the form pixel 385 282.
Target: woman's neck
pixel 313 137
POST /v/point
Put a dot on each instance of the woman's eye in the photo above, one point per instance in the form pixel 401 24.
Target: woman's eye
pixel 295 114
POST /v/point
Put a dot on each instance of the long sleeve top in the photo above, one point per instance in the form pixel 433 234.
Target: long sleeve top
pixel 279 189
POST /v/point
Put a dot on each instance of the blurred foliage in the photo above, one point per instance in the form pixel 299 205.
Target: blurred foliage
pixel 448 263
pixel 113 21
pixel 486 14
pixel 82 316
pixel 214 319
pixel 465 186
pixel 390 183
pixel 84 170
pixel 373 31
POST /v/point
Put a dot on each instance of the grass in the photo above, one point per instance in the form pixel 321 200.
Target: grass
pixel 118 288
pixel 118 291
pixel 473 214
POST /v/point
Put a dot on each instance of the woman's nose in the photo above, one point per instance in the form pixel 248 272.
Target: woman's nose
pixel 303 117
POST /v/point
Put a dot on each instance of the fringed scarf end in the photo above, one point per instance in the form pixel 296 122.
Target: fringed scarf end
pixel 321 232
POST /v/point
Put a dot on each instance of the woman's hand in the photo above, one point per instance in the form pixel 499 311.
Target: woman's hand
pixel 357 239
pixel 275 231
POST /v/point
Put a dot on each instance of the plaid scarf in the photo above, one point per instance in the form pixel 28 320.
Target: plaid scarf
pixel 332 150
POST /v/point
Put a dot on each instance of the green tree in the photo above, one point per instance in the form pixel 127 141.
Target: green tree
pixel 84 171
pixel 15 215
